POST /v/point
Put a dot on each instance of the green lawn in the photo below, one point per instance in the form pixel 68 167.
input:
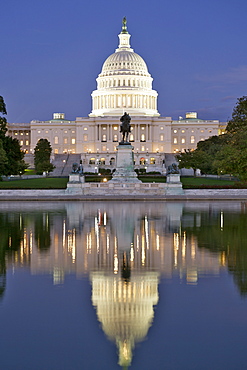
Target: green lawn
pixel 43 183
pixel 61 183
pixel 196 181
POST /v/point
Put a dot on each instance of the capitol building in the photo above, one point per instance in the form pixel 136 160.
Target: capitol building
pixel 123 85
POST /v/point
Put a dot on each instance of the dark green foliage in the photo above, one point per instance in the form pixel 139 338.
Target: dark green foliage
pixel 239 116
pixel 224 154
pixel 105 171
pixel 15 155
pixel 42 154
pixel 11 155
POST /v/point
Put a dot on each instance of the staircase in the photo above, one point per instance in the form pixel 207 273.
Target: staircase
pixel 63 163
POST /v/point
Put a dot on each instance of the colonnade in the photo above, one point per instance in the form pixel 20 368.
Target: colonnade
pixel 113 101
pixel 111 129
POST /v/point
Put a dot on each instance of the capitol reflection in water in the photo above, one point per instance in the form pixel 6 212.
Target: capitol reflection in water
pixel 125 248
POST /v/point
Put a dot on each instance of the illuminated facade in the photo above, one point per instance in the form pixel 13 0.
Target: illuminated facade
pixel 124 84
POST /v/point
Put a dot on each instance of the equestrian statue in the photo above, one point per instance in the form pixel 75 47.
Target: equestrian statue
pixel 125 128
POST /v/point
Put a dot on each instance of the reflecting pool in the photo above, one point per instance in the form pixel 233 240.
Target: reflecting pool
pixel 111 285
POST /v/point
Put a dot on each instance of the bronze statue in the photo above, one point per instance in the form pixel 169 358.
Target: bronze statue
pixel 124 26
pixel 125 127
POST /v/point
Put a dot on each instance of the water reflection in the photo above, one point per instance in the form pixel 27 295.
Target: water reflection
pixel 125 248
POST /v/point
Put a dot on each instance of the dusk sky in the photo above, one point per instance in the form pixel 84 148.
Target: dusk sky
pixel 52 51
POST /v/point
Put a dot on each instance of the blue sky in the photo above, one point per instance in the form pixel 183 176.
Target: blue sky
pixel 52 51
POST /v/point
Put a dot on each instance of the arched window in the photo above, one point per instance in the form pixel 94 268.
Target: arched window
pixel 112 161
pixel 143 137
pixel 102 160
pixel 92 161
pixel 152 160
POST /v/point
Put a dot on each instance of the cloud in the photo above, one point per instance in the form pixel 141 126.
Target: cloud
pixel 232 76
pixel 227 99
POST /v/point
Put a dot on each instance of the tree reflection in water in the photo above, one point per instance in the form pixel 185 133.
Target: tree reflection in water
pixel 224 233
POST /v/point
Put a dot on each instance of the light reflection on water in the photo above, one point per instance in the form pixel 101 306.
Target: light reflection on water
pixel 126 250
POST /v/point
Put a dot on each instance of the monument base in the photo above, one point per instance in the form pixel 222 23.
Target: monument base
pixel 75 184
pixel 125 165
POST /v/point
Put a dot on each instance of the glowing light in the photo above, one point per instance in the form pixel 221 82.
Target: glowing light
pixel 146 232
pixel 157 242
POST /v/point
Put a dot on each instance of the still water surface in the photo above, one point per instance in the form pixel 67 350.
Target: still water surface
pixel 116 285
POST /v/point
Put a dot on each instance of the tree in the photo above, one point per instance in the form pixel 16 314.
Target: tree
pixel 11 155
pixel 16 164
pixel 239 116
pixel 3 159
pixel 192 159
pixel 3 121
pixel 42 154
pixel 232 158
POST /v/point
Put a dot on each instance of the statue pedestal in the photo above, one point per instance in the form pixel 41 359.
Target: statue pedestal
pixel 75 184
pixel 173 177
pixel 125 165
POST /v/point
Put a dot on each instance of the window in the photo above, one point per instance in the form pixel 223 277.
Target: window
pixel 73 131
pixel 192 139
pixel 39 131
pixel 162 128
pixel 183 131
pixel 115 128
pixel 27 142
pixel 143 137
pixel 175 140
pixel 142 128
pixel 152 160
pixel 143 148
pixel 103 148
pixel 73 140
pixel 92 161
pixel 65 131
pixel 56 140
pixel 56 151
pixel 202 130
pixel 65 140
pixel 16 133
pixel 21 133
pixel 45 132
pixel 102 160
pixel 183 140
pixel 131 137
pixel 21 142
pixel 161 137
pixel 85 137
pixel 27 133
pixel 104 128
pixel 104 137
pixel 115 138
pixel 85 129
pixel 175 131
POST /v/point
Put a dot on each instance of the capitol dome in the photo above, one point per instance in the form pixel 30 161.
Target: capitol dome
pixel 124 83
